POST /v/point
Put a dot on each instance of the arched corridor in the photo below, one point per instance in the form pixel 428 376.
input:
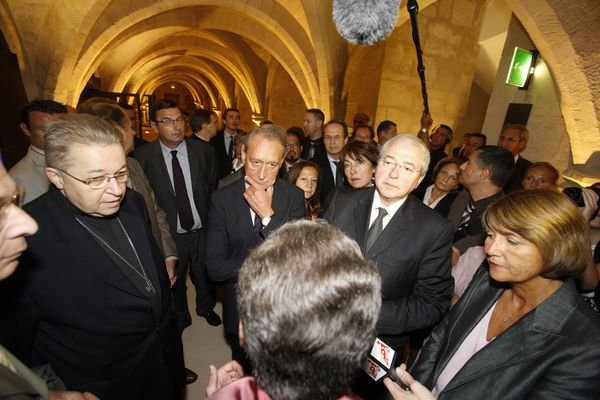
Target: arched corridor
pixel 273 59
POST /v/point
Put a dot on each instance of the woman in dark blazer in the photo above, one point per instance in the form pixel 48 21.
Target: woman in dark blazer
pixel 95 300
pixel 521 330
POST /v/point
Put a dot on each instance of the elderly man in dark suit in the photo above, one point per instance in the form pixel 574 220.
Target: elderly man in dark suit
pixel 95 300
pixel 182 174
pixel 409 242
pixel 243 213
pixel 514 138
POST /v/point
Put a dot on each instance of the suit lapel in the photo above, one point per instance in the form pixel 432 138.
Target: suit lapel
pixel 361 218
pixel 398 224
pixel 159 161
pixel 536 334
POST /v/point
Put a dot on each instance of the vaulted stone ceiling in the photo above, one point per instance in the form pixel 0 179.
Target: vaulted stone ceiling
pixel 221 50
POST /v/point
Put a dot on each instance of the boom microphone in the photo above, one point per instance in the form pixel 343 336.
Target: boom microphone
pixel 365 22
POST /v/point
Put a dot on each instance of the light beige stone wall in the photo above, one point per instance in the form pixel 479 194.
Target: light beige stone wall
pixel 449 31
pixel 548 134
pixel 285 105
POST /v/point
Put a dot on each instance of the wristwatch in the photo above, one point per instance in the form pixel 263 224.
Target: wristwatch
pixel 265 221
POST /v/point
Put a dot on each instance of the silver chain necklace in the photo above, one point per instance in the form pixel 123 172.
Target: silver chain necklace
pixel 143 274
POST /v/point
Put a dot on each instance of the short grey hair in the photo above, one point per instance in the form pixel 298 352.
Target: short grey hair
pixel 271 132
pixel 308 301
pixel 411 140
pixel 77 129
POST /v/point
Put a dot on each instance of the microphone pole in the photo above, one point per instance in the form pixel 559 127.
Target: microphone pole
pixel 413 10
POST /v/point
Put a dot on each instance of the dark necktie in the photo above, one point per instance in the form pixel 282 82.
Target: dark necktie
pixel 311 151
pixel 375 229
pixel 339 175
pixel 230 150
pixel 184 210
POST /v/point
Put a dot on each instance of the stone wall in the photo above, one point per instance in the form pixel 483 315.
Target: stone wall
pixel 449 31
pixel 548 134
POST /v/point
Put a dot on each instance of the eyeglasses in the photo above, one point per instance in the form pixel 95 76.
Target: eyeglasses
pixel 292 146
pixel 390 164
pixel 170 122
pixel 16 199
pixel 100 182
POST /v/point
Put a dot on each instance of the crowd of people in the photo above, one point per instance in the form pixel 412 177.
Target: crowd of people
pixel 324 239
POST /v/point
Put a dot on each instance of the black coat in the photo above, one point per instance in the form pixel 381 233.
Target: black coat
pixel 231 236
pixel 88 318
pixel 412 255
pixel 550 353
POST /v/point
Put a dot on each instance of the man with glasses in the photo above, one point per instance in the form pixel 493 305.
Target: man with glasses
pixel 295 136
pixel 243 213
pixel 182 174
pixel 409 243
pixel 95 299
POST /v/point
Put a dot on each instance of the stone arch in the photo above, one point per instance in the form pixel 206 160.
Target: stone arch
pixel 258 22
pixel 575 64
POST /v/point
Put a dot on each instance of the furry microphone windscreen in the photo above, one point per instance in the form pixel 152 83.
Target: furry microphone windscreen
pixel 365 22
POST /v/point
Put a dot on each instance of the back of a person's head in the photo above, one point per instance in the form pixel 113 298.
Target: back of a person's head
pixel 308 301
pixel 499 161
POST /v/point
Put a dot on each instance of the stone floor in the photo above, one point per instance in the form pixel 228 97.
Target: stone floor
pixel 203 345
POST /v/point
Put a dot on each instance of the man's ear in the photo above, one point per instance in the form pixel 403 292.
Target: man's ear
pixel 25 129
pixel 485 174
pixel 55 177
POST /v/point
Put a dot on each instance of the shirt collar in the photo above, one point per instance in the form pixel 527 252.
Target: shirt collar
pixel 391 210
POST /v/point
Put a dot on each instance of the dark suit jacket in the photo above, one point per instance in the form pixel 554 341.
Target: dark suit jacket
pixel 412 255
pixel 204 177
pixel 551 353
pixel 231 235
pixel 475 235
pixel 516 179
pixel 223 162
pixel 327 180
pixel 90 319
pixel 319 148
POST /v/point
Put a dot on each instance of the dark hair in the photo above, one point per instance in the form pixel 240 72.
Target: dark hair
pixel 312 203
pixel 499 161
pixel 308 301
pixel 228 110
pixel 199 118
pixel 359 150
pixel 371 131
pixel 478 135
pixel 43 106
pixel 546 165
pixel 442 163
pixel 450 132
pixel 385 126
pixel 338 122
pixel 296 131
pixel 317 113
pixel 161 105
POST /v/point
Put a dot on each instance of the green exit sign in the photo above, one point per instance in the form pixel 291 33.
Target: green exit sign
pixel 521 67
